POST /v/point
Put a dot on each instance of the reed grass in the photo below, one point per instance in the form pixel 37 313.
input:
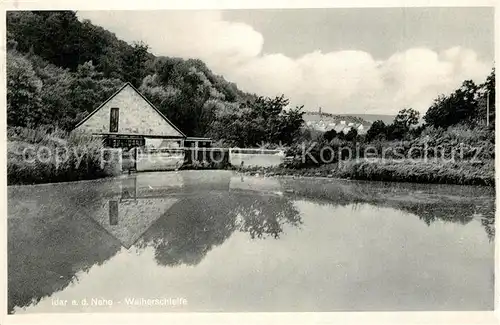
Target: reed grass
pixel 420 171
pixel 415 171
pixel 25 148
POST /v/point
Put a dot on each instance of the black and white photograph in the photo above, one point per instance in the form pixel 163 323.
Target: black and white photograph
pixel 256 160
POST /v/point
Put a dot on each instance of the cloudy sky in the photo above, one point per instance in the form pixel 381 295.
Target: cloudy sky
pixel 374 61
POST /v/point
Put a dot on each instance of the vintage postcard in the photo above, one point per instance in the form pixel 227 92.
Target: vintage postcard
pixel 238 161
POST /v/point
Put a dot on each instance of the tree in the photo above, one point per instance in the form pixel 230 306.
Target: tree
pixel 56 93
pixel 134 68
pixel 269 107
pixel 407 117
pixel 189 94
pixel 59 38
pixel 460 106
pixel 264 121
pixel 376 131
pixel 24 106
pixel 289 124
pixel 351 135
pixel 330 134
pixel 89 89
pixel 111 64
pixel 403 122
pixel 396 132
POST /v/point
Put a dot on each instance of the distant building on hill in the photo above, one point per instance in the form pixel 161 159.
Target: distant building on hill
pixel 339 128
pixel 340 123
pixel 330 126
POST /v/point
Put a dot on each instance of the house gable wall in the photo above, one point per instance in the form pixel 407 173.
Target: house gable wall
pixel 136 116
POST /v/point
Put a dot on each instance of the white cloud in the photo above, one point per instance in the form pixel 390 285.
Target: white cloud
pixel 340 82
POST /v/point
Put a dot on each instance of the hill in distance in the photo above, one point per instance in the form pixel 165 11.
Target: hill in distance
pixel 327 118
pixel 370 118
pixel 356 118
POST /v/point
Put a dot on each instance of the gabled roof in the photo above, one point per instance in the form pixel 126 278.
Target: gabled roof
pixel 138 92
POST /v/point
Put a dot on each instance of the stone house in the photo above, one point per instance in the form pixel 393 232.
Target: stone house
pixel 127 119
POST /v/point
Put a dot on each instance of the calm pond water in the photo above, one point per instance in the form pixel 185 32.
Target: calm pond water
pixel 218 241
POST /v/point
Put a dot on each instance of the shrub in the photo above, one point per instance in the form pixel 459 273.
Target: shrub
pixel 64 157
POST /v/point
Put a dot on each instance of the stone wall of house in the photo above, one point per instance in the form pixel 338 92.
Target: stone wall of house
pixel 136 116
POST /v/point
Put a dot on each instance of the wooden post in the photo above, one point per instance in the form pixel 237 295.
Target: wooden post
pixel 135 159
pixel 487 109
pixel 196 150
pixel 113 213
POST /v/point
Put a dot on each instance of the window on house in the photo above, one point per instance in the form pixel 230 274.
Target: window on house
pixel 113 119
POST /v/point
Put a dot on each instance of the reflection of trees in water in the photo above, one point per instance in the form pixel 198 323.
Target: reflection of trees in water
pixel 47 252
pixel 459 204
pixel 489 226
pixel 266 215
pixel 196 224
pixel 430 212
pixel 452 211
pixel 190 229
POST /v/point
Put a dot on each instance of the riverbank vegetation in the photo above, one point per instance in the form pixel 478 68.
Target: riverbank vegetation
pixel 417 171
pixel 43 155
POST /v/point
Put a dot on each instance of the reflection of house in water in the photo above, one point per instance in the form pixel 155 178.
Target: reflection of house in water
pixel 206 218
pixel 128 214
pixel 181 216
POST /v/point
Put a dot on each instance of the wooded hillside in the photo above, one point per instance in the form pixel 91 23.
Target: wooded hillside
pixel 60 69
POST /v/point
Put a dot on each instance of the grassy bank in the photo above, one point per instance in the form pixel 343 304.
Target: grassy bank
pixel 459 154
pixel 417 171
pixel 47 156
pixel 432 171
